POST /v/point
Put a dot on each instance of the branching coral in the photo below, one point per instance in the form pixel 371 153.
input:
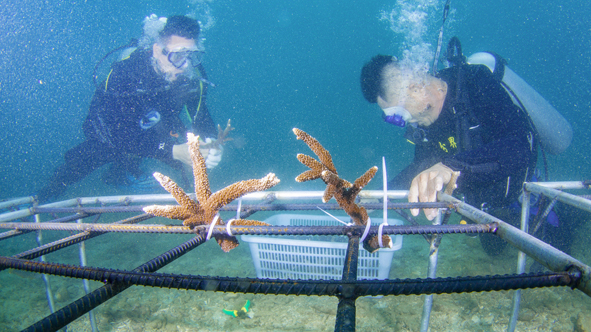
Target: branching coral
pixel 207 206
pixel 343 191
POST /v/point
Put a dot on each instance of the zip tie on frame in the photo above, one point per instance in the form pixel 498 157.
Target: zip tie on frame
pixel 215 220
pixel 367 226
pixel 228 230
pixel 335 218
pixel 385 201
pixel 239 208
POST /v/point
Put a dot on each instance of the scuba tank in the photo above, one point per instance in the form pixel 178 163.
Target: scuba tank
pixel 554 132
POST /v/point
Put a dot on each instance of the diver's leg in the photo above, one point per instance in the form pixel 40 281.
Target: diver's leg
pixel 79 162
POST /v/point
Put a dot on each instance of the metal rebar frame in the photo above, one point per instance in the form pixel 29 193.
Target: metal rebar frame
pixel 567 270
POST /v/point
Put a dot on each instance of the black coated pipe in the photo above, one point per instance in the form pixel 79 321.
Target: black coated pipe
pixel 258 230
pixel 345 320
pixel 303 287
pixel 74 239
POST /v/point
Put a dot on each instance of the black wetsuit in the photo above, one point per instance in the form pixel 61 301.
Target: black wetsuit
pixel 481 133
pixel 135 114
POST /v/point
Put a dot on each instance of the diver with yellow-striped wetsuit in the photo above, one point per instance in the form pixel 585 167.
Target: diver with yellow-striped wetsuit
pixel 144 109
pixel 465 119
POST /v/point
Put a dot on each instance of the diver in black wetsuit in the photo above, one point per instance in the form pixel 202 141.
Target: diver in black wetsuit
pixel 462 120
pixel 144 109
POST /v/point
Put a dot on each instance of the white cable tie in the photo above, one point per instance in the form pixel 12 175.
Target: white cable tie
pixel 239 208
pixel 366 229
pixel 228 230
pixel 215 220
pixel 385 185
pixel 335 218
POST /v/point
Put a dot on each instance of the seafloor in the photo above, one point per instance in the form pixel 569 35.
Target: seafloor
pixel 152 309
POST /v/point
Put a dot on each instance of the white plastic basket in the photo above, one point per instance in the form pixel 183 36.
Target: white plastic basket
pixel 284 257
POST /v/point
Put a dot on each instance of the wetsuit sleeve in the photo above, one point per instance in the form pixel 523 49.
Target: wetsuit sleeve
pixel 506 149
pixel 203 124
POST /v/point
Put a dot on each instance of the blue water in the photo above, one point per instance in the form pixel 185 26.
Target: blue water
pixel 277 65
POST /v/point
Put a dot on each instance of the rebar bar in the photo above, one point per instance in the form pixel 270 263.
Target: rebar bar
pixel 255 230
pixel 345 320
pixel 303 287
pixel 76 309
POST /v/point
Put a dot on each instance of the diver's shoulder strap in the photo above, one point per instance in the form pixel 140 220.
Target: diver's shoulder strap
pixel 466 123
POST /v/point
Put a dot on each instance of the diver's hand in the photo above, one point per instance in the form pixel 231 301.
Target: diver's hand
pixel 214 157
pixel 424 187
pixel 181 153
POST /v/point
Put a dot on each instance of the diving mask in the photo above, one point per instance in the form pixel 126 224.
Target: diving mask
pixel 396 115
pixel 179 58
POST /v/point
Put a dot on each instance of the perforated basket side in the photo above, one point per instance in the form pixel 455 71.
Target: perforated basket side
pixel 276 257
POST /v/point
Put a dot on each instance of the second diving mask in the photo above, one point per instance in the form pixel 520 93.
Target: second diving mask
pixel 179 58
pixel 396 115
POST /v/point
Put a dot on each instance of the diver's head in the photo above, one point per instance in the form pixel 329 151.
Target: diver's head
pixel 404 95
pixel 177 49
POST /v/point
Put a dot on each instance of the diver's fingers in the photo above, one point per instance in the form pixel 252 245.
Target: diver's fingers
pixel 438 182
pixel 423 181
pixel 413 195
pixel 430 193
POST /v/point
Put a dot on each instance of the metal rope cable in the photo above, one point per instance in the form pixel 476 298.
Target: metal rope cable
pixel 74 310
pixel 302 287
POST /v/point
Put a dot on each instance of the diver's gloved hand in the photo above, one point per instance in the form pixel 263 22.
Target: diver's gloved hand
pixel 214 157
pixel 211 153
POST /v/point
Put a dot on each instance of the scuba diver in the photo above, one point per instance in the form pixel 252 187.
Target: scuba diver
pixel 460 120
pixel 144 109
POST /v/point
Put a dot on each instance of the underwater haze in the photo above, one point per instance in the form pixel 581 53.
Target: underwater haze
pixel 277 65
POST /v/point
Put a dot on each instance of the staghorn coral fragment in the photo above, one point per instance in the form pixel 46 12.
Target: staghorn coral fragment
pixel 178 193
pixel 317 148
pixel 203 211
pixel 451 185
pixel 328 193
pixel 244 222
pixel 202 190
pixel 363 180
pixel 373 244
pixel 312 174
pixel 309 161
pixel 241 188
pixel 168 211
pixel 222 137
pixel 343 191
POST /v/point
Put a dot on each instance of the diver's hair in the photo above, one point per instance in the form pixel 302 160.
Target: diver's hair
pixel 181 26
pixel 372 77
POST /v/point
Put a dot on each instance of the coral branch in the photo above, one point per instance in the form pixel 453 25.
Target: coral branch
pixel 343 191
pixel 319 150
pixel 238 189
pixel 199 169
pixel 178 193
pixel 203 212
